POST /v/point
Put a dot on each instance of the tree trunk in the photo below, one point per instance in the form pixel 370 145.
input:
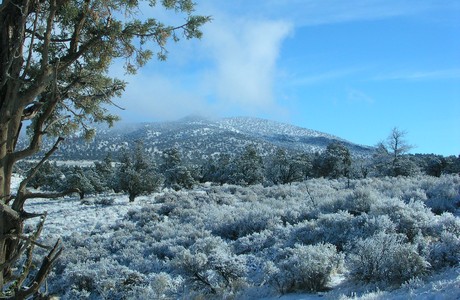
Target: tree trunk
pixel 132 197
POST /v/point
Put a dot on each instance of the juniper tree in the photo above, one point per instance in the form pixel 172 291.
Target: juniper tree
pixel 217 169
pixel 284 168
pixel 54 62
pixel 105 173
pixel 248 167
pixel 136 174
pixel 77 178
pixel 336 161
pixel 48 177
pixel 175 173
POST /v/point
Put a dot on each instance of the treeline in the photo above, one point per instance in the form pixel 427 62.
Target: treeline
pixel 137 173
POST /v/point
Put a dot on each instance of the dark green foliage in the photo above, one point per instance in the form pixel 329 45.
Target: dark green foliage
pixel 136 174
pixel 217 169
pixel 79 179
pixel 248 168
pixel 335 162
pixel 105 172
pixel 176 174
pixel 48 177
pixel 284 168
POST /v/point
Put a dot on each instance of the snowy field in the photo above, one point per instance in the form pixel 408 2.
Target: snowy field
pixel 234 242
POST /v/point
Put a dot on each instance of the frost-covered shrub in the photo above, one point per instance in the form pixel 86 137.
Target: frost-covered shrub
pixel 104 201
pixel 209 267
pixel 103 279
pixel 334 228
pixel 445 251
pixel 448 222
pixel 339 229
pixel 410 218
pixel 164 286
pixel 365 226
pixel 444 194
pixel 254 243
pixel 360 200
pixel 304 268
pixel 414 194
pixel 236 223
pixel 387 258
pixel 143 216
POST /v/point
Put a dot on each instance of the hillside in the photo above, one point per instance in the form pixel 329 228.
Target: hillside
pixel 198 138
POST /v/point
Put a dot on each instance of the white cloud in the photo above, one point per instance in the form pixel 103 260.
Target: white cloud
pixel 244 53
pixel 230 71
pixel 236 77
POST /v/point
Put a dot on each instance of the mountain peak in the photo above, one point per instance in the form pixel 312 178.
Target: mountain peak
pixel 198 138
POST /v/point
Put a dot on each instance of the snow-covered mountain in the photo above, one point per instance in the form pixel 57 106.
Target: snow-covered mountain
pixel 198 138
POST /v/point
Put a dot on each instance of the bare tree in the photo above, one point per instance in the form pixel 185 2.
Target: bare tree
pixel 397 146
pixel 54 60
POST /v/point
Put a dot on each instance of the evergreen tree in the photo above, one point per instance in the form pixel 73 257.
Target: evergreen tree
pixel 283 168
pixel 248 168
pixel 453 164
pixel 176 175
pixel 78 179
pixel 217 169
pixel 335 161
pixel 136 174
pixel 105 172
pixel 48 177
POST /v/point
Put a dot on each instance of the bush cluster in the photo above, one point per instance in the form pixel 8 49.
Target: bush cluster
pixel 219 242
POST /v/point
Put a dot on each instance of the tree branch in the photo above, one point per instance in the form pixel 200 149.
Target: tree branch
pixel 21 196
pixel 47 37
pixel 51 195
pixel 47 263
pixel 31 48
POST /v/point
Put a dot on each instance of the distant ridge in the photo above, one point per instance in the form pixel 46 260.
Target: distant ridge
pixel 198 138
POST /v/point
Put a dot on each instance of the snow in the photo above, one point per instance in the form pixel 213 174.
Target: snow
pixel 67 216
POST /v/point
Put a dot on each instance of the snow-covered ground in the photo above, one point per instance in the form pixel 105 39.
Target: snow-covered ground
pixel 78 223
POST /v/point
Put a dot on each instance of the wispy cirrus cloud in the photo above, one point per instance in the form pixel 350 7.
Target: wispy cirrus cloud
pixel 324 77
pixel 358 96
pixel 314 12
pixel 421 75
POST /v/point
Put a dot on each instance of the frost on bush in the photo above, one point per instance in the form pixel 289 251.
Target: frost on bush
pixel 410 218
pixel 445 251
pixel 444 195
pixel 164 286
pixel 385 257
pixel 209 267
pixel 360 200
pixel 143 216
pixel 236 223
pixel 304 268
pixel 254 243
pixel 104 201
pixel 334 228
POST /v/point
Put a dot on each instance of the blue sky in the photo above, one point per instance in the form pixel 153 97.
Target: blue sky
pixel 354 69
